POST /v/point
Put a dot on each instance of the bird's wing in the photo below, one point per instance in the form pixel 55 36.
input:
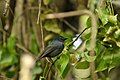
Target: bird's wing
pixel 48 50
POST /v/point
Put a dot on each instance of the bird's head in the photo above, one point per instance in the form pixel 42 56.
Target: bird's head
pixel 60 38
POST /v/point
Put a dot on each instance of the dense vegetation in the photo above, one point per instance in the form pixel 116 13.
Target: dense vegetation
pixel 28 26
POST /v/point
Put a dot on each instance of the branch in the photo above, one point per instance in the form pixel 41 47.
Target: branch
pixel 39 22
pixel 68 14
pixel 69 25
pixel 39 13
pixel 25 50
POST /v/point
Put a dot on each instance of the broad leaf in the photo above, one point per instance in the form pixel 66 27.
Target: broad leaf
pixel 62 64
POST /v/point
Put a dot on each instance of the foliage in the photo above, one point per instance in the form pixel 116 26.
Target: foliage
pixel 107 47
pixel 8 58
pixel 108 36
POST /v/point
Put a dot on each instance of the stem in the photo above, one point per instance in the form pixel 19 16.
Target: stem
pixel 39 22
pixel 47 74
pixel 69 25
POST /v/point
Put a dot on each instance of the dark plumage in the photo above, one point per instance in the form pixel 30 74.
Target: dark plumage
pixel 54 48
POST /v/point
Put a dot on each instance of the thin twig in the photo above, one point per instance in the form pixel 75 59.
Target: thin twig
pixel 69 25
pixel 38 20
pixel 42 36
pixel 24 49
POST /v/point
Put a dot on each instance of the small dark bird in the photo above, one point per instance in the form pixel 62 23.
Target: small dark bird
pixel 54 48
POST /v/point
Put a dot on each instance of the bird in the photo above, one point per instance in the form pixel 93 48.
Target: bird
pixel 54 48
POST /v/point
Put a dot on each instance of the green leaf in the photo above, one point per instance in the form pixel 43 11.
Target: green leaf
pixel 52 26
pixel 113 19
pixel 64 61
pixel 82 65
pixel 111 59
pixel 89 58
pixel 103 15
pixel 88 23
pixel 34 47
pixel 10 74
pixel 111 30
pixel 117 34
pixel 98 48
pixel 102 66
pixel 62 64
pixel 88 44
pixel 66 70
pixel 36 70
pixel 118 44
pixel 81 70
pixel 11 45
pixel 8 53
pixel 7 60
pixel 87 36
